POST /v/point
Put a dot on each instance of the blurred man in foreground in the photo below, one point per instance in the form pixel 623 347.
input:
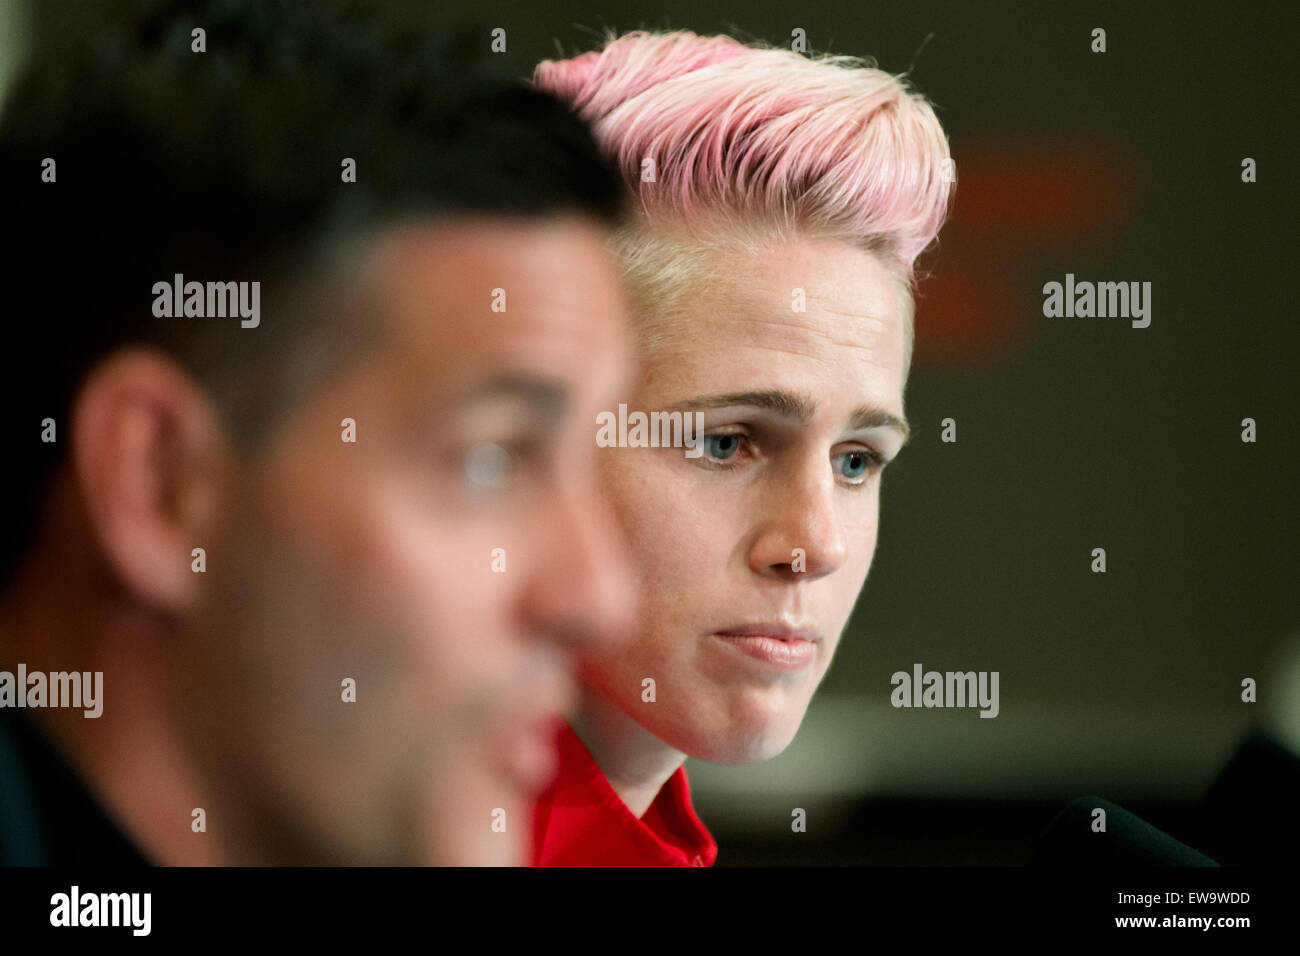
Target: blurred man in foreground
pixel 309 317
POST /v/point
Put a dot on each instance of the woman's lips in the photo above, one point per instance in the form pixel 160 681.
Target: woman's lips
pixel 789 652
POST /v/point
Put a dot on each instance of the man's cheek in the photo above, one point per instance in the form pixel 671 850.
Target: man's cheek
pixel 439 582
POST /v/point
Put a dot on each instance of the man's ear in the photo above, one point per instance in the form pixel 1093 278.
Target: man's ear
pixel 147 447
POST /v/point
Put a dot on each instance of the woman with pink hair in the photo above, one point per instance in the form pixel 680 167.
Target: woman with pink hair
pixel 781 202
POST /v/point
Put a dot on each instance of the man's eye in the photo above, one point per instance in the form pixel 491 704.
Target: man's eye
pixel 722 447
pixel 488 466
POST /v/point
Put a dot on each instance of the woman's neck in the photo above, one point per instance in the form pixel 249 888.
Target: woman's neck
pixel 636 763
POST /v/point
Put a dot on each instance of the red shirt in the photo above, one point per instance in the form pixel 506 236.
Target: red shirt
pixel 581 821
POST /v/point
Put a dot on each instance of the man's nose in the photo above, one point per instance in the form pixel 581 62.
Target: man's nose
pixel 583 593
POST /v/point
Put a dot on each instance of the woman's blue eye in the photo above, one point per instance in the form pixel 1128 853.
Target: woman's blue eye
pixel 721 446
pixel 854 463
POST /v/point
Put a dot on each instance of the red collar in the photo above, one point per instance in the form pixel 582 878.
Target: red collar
pixel 581 821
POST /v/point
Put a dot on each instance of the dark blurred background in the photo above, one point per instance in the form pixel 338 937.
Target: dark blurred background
pixel 1073 433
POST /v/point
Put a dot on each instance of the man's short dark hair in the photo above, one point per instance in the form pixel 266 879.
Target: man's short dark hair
pixel 227 165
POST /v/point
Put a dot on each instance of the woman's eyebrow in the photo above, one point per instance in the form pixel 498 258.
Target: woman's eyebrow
pixel 869 417
pixel 787 404
pixel 800 408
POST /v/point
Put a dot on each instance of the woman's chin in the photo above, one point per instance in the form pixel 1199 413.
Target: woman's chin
pixel 746 742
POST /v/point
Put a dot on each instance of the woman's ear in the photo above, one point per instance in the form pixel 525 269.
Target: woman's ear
pixel 147 447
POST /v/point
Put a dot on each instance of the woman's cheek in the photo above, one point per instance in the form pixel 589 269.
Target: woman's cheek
pixel 635 492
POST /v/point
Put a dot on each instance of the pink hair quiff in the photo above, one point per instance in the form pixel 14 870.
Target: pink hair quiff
pixel 742 135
